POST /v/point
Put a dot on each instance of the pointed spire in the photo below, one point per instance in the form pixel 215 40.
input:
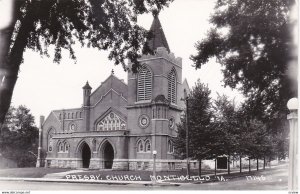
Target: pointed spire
pixel 87 86
pixel 157 36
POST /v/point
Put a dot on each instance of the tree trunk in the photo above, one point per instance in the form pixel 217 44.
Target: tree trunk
pixel 264 163
pixel 228 163
pixel 10 62
pixel 216 167
pixel 257 166
pixel 199 168
pixel 240 164
pixel 5 39
pixel 249 165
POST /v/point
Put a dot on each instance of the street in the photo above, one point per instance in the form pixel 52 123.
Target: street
pixel 273 179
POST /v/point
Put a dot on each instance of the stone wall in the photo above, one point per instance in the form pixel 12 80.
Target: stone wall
pixel 122 164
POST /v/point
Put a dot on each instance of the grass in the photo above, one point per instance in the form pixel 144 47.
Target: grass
pixel 144 175
pixel 107 174
pixel 29 172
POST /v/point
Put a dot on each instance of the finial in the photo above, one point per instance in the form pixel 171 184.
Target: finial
pixel 87 85
pixel 112 72
pixel 155 12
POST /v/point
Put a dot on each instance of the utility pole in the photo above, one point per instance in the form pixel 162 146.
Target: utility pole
pixel 186 98
pixel 39 160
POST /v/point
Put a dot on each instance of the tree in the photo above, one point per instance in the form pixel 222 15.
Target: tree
pixel 201 143
pixel 227 127
pixel 103 24
pixel 19 138
pixel 254 139
pixel 269 142
pixel 252 41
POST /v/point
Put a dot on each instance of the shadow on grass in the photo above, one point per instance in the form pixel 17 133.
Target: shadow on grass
pixel 30 172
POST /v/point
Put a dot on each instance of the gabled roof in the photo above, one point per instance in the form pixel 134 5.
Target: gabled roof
pixel 157 37
pixel 185 85
pixel 112 82
pixel 54 114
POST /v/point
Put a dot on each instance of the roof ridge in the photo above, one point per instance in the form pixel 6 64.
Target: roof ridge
pixel 66 109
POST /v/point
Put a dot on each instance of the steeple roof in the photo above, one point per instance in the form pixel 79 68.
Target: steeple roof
pixel 87 86
pixel 157 36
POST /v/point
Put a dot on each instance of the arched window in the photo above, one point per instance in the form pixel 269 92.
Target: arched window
pixel 148 146
pixel 140 146
pixel 172 86
pixel 60 147
pixel 72 127
pixel 170 147
pixel 111 122
pixel 68 115
pixel 66 147
pixel 144 84
pixel 76 115
pixel 80 115
pixel 72 115
pixel 50 144
pixel 50 140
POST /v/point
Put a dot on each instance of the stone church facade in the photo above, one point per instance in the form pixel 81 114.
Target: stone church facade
pixel 119 125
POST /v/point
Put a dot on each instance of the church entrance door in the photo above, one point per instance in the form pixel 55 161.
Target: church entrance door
pixel 86 156
pixel 108 153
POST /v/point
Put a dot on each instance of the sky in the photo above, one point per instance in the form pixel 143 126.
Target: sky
pixel 43 86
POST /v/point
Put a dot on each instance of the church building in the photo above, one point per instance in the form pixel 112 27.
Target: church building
pixel 119 125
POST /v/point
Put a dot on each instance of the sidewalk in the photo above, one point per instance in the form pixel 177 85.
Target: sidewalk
pixel 145 183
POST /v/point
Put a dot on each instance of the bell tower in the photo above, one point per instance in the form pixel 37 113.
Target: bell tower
pixel 153 96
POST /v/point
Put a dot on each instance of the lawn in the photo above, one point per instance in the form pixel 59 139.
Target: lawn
pixel 110 174
pixel 29 172
pixel 172 176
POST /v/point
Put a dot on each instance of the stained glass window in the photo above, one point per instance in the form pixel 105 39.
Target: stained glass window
pixel 148 146
pixel 111 122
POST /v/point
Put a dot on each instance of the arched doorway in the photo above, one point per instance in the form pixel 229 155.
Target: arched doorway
pixel 86 155
pixel 108 155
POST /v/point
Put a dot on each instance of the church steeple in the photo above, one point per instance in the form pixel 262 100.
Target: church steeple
pixel 156 37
